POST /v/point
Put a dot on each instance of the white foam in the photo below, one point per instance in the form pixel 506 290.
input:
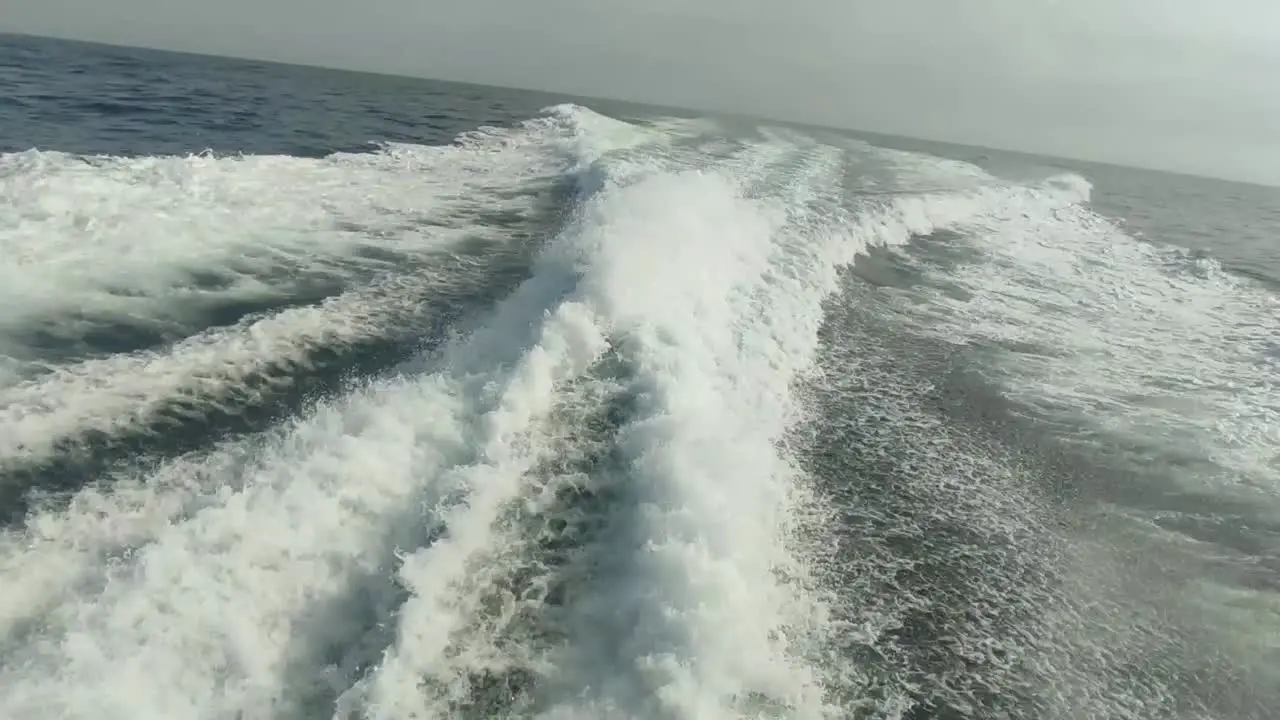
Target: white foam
pixel 569 342
pixel 113 394
pixel 1127 339
pixel 716 308
pixel 715 301
pixel 206 615
pixel 485 171
pixel 61 553
pixel 1154 356
pixel 684 620
pixel 62 549
pixel 116 393
pixel 209 617
pixel 1156 362
pixel 262 536
pixel 124 237
pixel 252 581
pixel 618 221
pixel 621 285
pixel 202 621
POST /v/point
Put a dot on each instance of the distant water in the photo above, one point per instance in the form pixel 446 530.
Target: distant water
pixel 328 395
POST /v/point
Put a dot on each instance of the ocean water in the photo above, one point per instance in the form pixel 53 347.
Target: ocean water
pixel 327 395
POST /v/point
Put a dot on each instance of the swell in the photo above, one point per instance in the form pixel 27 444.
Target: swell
pixel 936 550
pixel 326 499
pixel 579 501
pixel 543 551
pixel 206 299
pixel 62 441
pixel 978 564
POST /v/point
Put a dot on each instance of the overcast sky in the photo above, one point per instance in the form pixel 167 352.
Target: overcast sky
pixel 1181 84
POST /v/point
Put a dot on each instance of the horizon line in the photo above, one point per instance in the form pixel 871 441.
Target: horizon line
pixel 677 109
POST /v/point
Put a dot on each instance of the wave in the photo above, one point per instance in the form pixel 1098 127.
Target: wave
pixel 577 499
pixel 166 244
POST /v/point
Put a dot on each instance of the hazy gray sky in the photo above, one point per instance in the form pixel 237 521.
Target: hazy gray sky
pixel 1181 84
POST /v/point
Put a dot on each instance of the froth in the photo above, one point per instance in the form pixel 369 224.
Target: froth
pixel 155 240
pixel 359 554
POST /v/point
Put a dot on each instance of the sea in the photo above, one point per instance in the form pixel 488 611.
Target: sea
pixel 342 396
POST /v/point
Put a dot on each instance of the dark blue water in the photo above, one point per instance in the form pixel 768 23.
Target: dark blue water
pixel 328 394
pixel 94 99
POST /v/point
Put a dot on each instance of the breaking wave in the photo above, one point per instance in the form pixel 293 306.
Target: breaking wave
pixel 535 424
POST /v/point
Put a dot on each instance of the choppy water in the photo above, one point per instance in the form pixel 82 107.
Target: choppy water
pixel 336 396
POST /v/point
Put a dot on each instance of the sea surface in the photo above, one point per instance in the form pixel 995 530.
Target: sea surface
pixel 330 395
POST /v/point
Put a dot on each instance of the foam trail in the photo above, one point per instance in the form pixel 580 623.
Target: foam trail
pixel 1101 301
pixel 715 307
pixel 568 345
pixel 569 342
pixel 441 605
pixel 235 608
pixel 621 218
pixel 688 619
pixel 170 633
pixel 692 584
pixel 113 394
pixel 62 550
pixel 251 581
pixel 151 241
pixel 228 368
pixel 1144 367
pixel 59 554
pixel 118 393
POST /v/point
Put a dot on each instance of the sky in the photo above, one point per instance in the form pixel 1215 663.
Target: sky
pixel 1187 85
